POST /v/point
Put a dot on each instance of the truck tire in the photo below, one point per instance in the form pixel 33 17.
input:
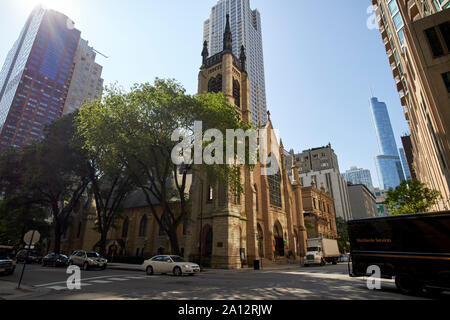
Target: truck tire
pixel 408 285
pixel 322 262
pixel 335 261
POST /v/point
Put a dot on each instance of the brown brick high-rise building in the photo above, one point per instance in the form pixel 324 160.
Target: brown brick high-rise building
pixel 416 35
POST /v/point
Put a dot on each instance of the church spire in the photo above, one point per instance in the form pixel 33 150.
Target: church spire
pixel 227 36
pixel 205 52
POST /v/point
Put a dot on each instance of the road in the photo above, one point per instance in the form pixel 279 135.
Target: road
pixel 312 283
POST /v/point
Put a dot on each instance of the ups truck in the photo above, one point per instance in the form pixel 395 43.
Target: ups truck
pixel 414 249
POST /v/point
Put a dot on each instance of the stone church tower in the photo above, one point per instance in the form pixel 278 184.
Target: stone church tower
pixel 266 222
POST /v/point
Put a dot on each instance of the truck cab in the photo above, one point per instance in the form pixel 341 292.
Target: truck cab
pixel 320 251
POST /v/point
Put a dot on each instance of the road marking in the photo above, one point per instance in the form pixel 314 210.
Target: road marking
pixel 100 281
pixel 57 288
pixel 136 278
pixel 118 279
pixel 86 279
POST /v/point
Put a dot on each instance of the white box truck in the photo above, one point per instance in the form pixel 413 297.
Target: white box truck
pixel 320 251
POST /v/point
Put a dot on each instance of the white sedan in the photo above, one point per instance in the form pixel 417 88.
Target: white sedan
pixel 170 264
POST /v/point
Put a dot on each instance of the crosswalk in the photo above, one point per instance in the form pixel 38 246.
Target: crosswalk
pixel 60 286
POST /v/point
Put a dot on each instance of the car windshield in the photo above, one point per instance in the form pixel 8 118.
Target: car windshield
pixel 313 249
pixel 92 254
pixel 177 259
pixel 63 256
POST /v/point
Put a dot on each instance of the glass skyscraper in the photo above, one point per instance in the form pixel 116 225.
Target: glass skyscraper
pixel 359 176
pixel 36 76
pixel 246 29
pixel 388 164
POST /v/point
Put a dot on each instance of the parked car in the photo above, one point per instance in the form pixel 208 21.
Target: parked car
pixel 344 257
pixel 88 259
pixel 7 263
pixel 55 260
pixel 170 264
pixel 28 256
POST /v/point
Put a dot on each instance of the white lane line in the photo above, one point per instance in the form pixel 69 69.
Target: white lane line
pixel 100 281
pixel 136 278
pixel 118 279
pixel 83 279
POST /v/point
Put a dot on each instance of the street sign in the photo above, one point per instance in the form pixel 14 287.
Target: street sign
pixel 31 237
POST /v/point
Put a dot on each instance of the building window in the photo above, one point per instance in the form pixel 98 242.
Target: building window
pixel 237 93
pixel 274 182
pixel 434 42
pixel 215 84
pixel 143 227
pixel 446 78
pixel 445 31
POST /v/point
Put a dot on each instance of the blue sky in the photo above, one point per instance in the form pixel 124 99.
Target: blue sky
pixel 320 59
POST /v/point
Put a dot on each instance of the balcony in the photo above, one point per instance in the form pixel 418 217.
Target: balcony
pixel 395 70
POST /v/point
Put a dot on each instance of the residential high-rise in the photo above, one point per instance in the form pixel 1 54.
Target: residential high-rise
pixel 416 36
pixel 319 167
pixel 245 26
pixel 407 146
pixel 404 164
pixel 86 83
pixel 359 176
pixel 388 164
pixel 37 74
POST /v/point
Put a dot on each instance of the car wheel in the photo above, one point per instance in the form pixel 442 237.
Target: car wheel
pixel 149 270
pixel 335 262
pixel 86 266
pixel 407 285
pixel 177 271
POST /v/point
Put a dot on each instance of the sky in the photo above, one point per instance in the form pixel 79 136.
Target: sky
pixel 320 61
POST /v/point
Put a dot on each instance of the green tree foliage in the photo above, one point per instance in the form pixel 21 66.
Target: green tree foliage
pixel 343 239
pixel 134 130
pixel 411 197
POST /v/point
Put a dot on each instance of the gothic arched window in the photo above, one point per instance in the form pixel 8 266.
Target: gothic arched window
pixel 215 84
pixel 143 227
pixel 237 93
pixel 274 182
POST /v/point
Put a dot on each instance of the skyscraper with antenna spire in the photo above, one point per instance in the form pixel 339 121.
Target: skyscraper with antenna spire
pixel 388 163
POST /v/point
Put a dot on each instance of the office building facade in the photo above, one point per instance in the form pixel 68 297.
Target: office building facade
pixel 404 164
pixel 388 163
pixel 319 166
pixel 359 176
pixel 87 83
pixel 245 25
pixel 407 147
pixel 362 201
pixel 36 76
pixel 416 36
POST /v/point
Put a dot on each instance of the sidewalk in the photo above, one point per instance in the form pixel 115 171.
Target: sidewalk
pixel 137 267
pixel 9 291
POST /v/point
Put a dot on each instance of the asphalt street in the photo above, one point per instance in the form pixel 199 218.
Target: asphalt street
pixel 312 283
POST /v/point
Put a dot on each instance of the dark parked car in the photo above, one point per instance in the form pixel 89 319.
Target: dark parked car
pixel 55 260
pixel 7 263
pixel 28 256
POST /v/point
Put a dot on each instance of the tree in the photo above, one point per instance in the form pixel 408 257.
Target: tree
pixel 411 197
pixel 135 130
pixel 19 210
pixel 343 238
pixel 56 172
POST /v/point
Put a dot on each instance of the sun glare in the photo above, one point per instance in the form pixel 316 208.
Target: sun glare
pixel 68 7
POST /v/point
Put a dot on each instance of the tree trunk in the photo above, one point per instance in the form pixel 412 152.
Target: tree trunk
pixel 102 243
pixel 173 237
pixel 57 240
